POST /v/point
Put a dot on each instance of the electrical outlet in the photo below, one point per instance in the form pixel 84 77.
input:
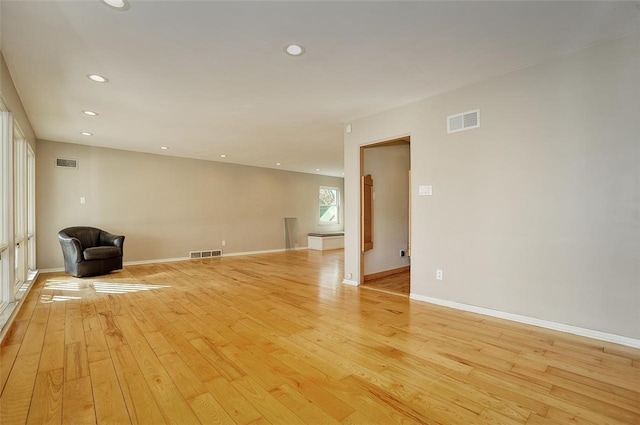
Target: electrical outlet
pixel 402 253
pixel 349 275
pixel 224 243
pixel 439 274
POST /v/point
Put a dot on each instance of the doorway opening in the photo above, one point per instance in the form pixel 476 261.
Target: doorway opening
pixel 385 219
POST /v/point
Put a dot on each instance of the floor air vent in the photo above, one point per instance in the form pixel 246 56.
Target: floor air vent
pixel 205 254
pixel 463 121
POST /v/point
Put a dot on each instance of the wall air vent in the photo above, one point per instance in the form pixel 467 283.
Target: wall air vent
pixel 209 253
pixel 463 121
pixel 66 163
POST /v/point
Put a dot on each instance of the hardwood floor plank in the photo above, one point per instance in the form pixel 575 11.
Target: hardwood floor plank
pixel 18 391
pixel 53 351
pixel 77 402
pixel 34 338
pixel 109 402
pixel 309 412
pixel 241 410
pixel 159 343
pixel 209 410
pixel 185 379
pixel 46 407
pixel 8 354
pixel 274 411
pixel 97 348
pixel 141 405
pixel 617 397
pixel 604 407
pixel 76 362
pixel 225 366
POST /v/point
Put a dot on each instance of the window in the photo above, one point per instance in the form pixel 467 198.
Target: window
pixel 6 196
pixel 329 205
pixel 17 214
pixel 19 206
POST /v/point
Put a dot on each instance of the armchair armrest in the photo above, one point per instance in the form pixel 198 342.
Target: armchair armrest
pixel 71 248
pixel 107 238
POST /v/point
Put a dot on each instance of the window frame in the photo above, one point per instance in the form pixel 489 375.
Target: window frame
pixel 336 205
pixel 6 207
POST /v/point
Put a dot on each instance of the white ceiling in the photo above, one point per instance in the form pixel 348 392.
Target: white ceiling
pixel 208 77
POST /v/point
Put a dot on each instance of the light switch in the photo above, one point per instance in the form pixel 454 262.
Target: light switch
pixel 425 190
pixel 83 200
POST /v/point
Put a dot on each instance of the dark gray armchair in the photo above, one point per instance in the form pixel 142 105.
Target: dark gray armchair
pixel 89 251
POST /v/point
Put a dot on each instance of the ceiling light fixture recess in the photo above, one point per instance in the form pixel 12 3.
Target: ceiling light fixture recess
pixel 90 113
pixel 97 78
pixel 86 133
pixel 223 156
pixel 164 148
pixel 294 50
pixel 117 4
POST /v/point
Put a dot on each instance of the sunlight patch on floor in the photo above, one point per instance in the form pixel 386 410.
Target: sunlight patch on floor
pixel 62 285
pixel 47 299
pixel 75 289
pixel 124 288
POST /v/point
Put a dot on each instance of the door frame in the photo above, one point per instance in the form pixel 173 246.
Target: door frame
pixel 402 140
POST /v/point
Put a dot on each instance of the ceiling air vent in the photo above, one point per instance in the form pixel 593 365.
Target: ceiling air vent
pixel 66 163
pixel 463 121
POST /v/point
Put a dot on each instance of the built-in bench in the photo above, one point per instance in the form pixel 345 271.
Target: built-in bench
pixel 325 241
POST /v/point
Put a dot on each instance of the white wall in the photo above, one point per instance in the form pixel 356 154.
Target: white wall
pixel 389 167
pixel 167 206
pixel 536 213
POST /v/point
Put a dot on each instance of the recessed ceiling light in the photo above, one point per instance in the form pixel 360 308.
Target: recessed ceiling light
pixel 164 148
pixel 90 113
pixel 223 156
pixel 317 169
pixel 117 4
pixel 277 163
pixel 98 78
pixel 294 49
pixel 86 133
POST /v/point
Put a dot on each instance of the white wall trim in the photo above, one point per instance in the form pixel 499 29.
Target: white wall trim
pixel 603 336
pixel 171 260
pixel 160 260
pixel 268 251
pixel 53 270
pixel 350 282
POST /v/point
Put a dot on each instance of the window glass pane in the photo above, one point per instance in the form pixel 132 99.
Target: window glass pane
pixel 329 205
pixel 328 196
pixel 329 213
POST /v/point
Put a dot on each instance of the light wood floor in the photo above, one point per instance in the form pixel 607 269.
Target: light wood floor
pixel 278 339
pixel 397 283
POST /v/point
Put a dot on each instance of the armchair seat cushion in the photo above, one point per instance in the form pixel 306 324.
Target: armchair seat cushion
pixel 101 252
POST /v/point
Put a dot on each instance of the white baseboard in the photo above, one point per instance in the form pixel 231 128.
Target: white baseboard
pixel 160 260
pixel 268 251
pixel 53 270
pixel 602 336
pixel 350 282
pixel 171 260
